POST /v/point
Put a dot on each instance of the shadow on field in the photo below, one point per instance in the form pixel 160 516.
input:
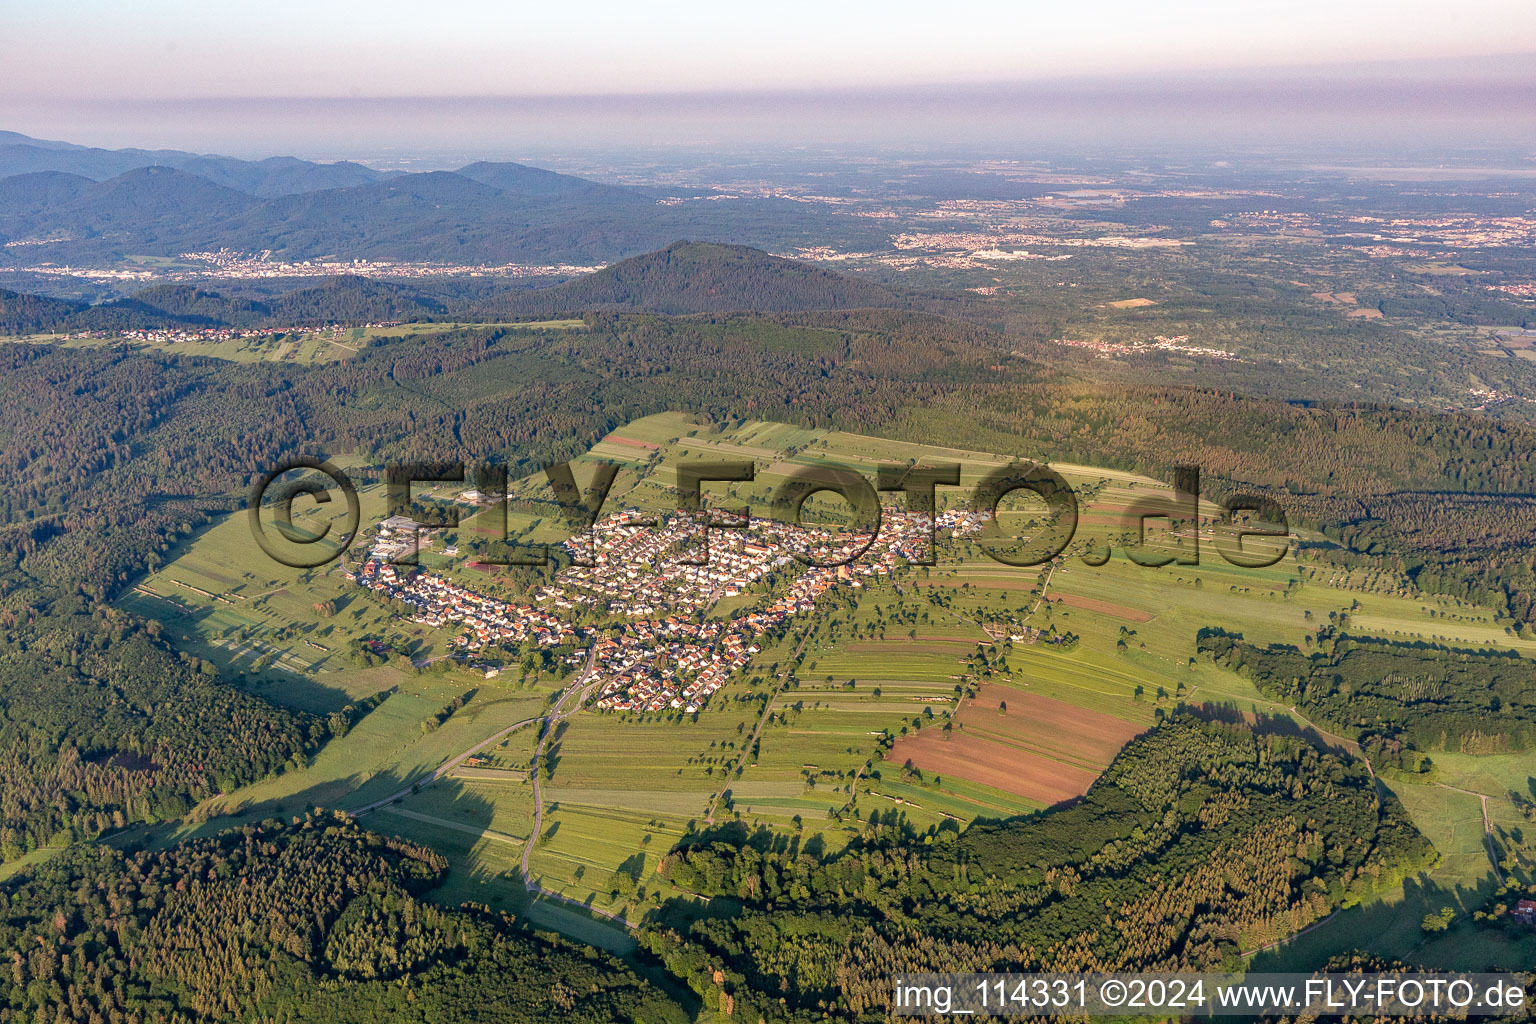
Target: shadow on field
pixel 1270 725
pixel 1387 929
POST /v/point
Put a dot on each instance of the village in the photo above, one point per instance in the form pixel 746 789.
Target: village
pixel 1178 343
pixel 173 335
pixel 660 653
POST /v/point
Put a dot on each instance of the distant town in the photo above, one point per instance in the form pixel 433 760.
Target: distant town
pixel 230 265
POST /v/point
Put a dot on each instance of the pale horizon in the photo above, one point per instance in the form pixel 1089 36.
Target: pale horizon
pixel 1471 104
pixel 168 49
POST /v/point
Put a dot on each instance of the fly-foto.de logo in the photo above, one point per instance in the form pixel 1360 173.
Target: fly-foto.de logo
pixel 1249 531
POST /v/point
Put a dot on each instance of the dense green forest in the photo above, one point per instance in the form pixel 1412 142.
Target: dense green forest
pixel 1421 695
pixel 170 306
pixel 317 920
pixel 1202 840
pixel 484 213
pixel 698 277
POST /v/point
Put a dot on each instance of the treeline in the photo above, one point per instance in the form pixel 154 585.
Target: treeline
pixel 315 920
pixel 1202 840
pixel 1420 695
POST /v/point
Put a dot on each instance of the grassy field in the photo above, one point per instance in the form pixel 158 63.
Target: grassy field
pixel 890 664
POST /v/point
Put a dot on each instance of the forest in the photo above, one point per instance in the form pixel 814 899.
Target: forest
pixel 493 213
pixel 1422 695
pixel 312 920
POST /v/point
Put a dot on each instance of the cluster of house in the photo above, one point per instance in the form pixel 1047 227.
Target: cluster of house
pixel 229 263
pixel 665 657
pixel 645 570
pixel 436 601
pixel 671 663
pixel 172 335
pixel 1178 343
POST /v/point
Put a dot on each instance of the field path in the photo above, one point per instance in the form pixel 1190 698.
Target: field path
pixel 1043 587
pixel 746 751
pixel 1493 850
pixel 580 689
pixel 444 768
pixel 561 709
pixel 432 819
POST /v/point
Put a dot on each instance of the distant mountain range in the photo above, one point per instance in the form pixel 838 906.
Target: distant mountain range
pixel 275 176
pixel 685 277
pixel 90 207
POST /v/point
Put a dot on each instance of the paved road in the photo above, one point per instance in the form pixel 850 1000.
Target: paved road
pixel 562 709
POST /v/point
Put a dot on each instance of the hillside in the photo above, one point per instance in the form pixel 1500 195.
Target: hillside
pixel 1202 839
pixel 336 927
pixel 146 210
pixel 349 299
pixel 22 314
pixel 520 179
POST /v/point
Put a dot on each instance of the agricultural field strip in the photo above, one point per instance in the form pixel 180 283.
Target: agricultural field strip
pixel 431 819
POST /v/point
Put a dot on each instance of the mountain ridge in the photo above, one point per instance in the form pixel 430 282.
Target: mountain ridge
pixel 267 178
pixel 483 214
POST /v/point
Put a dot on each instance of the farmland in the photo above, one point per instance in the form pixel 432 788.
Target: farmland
pixel 943 694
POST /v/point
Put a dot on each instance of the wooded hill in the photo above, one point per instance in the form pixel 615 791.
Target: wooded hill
pixel 485 213
pixel 702 277
pixel 274 176
pixel 172 306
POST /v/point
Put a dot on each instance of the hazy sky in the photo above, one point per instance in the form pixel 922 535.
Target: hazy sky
pixel 96 49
